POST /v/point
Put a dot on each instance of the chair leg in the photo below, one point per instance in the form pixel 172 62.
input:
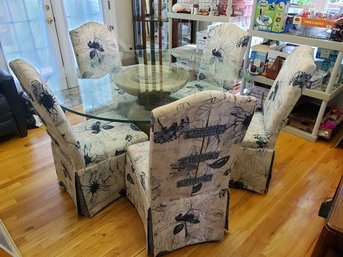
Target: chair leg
pixel 150 238
pixel 270 171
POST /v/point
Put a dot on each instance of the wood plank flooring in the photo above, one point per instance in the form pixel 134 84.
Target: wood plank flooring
pixel 42 221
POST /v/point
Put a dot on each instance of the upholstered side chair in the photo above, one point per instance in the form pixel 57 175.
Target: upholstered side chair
pixel 178 181
pixel 90 156
pixel 221 60
pixel 95 49
pixel 253 167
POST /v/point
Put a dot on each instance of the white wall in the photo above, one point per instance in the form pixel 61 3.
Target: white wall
pixel 123 14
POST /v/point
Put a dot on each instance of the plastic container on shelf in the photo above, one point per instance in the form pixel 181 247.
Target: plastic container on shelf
pixel 241 9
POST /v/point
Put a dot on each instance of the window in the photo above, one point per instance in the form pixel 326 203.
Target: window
pixel 24 35
pixel 334 6
pixel 37 31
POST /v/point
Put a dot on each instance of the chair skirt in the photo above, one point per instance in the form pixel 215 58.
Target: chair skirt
pixel 177 223
pixel 94 187
pixel 252 169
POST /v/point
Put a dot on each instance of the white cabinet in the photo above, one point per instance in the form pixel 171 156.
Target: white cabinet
pixel 324 96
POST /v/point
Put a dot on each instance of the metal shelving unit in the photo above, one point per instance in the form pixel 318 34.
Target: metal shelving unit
pixel 330 92
pixel 187 51
pixel 332 45
pixel 314 93
pixel 185 16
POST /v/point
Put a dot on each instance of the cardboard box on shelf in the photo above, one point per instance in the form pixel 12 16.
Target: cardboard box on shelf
pixel 259 54
pixel 271 15
pixel 316 80
pixel 313 22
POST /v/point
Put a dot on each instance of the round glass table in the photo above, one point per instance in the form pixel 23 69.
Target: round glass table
pixel 146 80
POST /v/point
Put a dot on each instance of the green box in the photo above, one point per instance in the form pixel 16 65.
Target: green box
pixel 270 15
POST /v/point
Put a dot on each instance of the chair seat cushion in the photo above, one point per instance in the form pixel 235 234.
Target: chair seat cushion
pixel 139 156
pixel 193 87
pixel 100 140
pixel 256 136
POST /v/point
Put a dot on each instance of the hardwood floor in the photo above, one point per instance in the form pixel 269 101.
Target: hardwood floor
pixel 42 221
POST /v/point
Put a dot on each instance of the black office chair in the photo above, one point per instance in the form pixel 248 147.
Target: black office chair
pixel 12 115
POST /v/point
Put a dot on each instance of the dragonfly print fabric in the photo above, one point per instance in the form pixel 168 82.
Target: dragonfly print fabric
pixel 221 60
pixel 253 167
pixel 178 181
pixel 89 156
pixel 95 49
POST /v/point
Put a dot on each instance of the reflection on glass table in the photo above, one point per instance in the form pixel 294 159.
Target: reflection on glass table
pixel 145 81
pixel 150 83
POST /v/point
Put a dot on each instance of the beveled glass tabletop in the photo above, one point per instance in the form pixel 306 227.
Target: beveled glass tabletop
pixel 145 81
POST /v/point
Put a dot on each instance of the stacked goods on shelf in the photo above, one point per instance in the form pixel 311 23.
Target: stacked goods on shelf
pixel 214 7
pixel 325 60
pixel 263 57
pixel 273 16
pixel 331 120
pixel 325 86
pixel 317 25
pixel 337 31
pixel 258 58
pixel 201 7
pixel 304 117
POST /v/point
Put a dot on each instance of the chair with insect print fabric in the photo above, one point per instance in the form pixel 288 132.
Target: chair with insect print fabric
pixel 90 156
pixel 253 167
pixel 178 181
pixel 221 60
pixel 95 49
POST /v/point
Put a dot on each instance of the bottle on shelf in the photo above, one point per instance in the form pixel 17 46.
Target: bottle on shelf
pixel 229 8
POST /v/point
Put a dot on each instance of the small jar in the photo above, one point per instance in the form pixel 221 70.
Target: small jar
pixel 195 9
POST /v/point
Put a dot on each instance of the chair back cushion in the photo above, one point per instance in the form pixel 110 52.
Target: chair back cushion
pixel 95 49
pixel 50 112
pixel 287 88
pixel 223 53
pixel 191 143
